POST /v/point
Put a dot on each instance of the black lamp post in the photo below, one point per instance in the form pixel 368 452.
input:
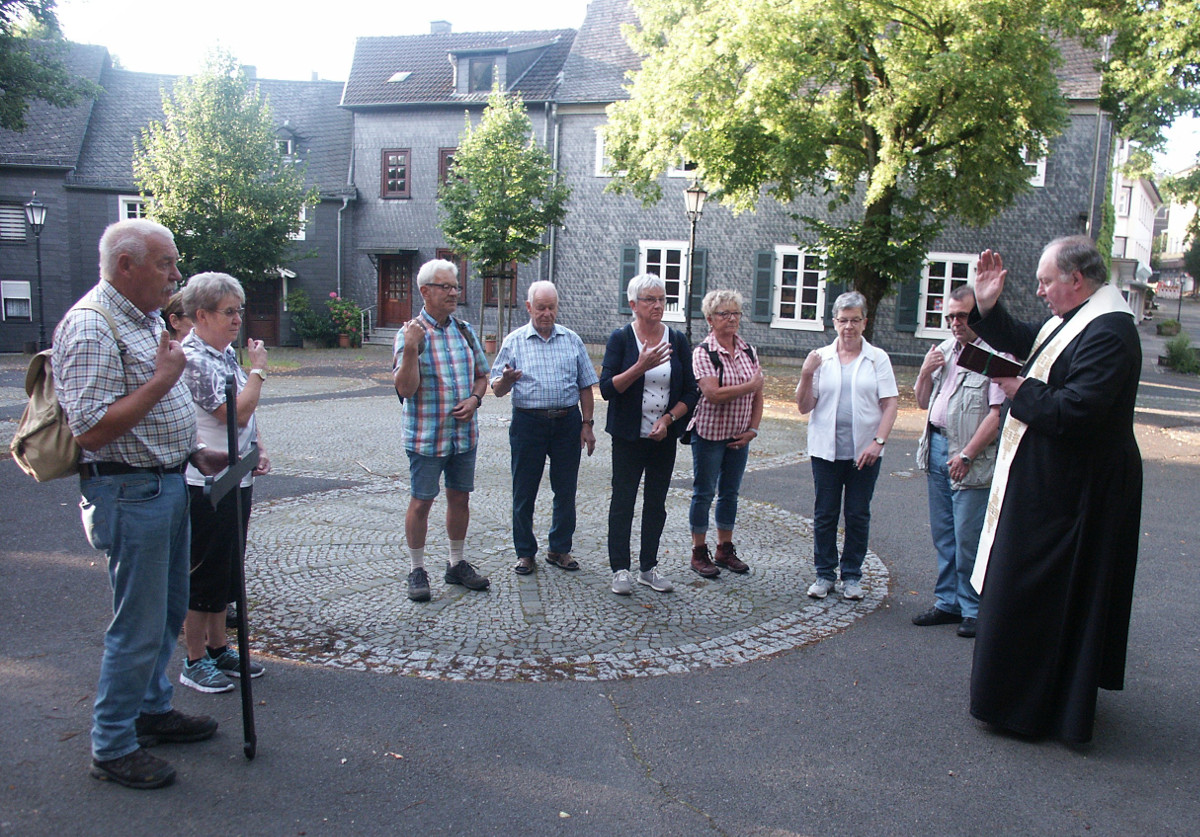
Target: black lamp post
pixel 35 214
pixel 693 197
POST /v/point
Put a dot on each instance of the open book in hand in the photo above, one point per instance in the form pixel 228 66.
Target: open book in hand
pixel 987 363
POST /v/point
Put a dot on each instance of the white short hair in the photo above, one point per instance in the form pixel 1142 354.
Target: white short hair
pixel 540 285
pixel 127 238
pixel 644 282
pixel 432 268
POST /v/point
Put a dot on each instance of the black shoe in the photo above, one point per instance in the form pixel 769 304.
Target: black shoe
pixel 174 727
pixel 418 585
pixel 138 770
pixel 967 629
pixel 231 615
pixel 935 616
pixel 463 573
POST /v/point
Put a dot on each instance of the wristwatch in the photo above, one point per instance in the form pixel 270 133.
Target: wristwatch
pixel 262 373
pixel 590 422
pixel 478 398
pixel 880 442
pixel 965 458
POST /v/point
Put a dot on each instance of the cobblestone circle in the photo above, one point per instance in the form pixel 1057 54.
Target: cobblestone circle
pixel 326 570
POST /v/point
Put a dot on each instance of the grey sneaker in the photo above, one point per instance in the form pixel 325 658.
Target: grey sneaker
pixel 418 585
pixel 230 662
pixel 655 582
pixel 464 573
pixel 820 588
pixel 852 590
pixel 204 677
pixel 622 584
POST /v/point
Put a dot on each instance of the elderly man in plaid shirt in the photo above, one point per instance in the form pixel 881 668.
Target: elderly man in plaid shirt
pixel 551 377
pixel 441 373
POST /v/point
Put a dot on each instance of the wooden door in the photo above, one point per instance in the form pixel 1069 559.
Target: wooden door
pixel 395 290
pixel 262 311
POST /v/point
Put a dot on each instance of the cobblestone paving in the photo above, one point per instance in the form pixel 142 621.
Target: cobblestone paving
pixel 326 571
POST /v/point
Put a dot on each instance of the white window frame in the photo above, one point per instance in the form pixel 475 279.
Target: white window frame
pixel 12 222
pixel 299 236
pixel 604 163
pixel 1124 200
pixel 673 310
pixel 15 291
pixel 926 305
pixel 796 323
pixel 1037 167
pixel 125 203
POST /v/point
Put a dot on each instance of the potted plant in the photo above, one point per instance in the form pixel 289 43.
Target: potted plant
pixel 489 343
pixel 347 320
pixel 314 330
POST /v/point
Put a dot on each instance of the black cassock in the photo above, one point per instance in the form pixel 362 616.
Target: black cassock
pixel 1054 615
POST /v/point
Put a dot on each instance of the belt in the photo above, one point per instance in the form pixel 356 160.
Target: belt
pixel 938 430
pixel 112 469
pixel 550 414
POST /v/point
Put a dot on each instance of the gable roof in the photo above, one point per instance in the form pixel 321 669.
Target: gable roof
pixel 322 130
pixel 429 61
pixel 53 136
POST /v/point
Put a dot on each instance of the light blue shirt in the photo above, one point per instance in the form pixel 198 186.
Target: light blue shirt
pixel 553 369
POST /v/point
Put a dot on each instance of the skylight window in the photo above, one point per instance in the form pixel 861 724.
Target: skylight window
pixel 399 76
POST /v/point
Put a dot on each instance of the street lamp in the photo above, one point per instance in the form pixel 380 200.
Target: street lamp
pixel 693 198
pixel 35 214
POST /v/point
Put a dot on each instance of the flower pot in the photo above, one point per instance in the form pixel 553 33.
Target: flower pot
pixel 489 345
pixel 343 341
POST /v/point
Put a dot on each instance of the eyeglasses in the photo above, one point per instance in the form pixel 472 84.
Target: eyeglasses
pixel 854 321
pixel 727 315
pixel 228 312
pixel 445 286
pixel 958 315
pixel 653 300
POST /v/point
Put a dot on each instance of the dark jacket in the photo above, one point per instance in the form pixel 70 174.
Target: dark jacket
pixel 625 408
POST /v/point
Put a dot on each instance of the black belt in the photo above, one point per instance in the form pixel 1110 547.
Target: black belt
pixel 550 414
pixel 938 430
pixel 112 469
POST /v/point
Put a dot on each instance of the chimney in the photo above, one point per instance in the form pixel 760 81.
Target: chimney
pixel 316 76
pixel 439 27
pixel 251 71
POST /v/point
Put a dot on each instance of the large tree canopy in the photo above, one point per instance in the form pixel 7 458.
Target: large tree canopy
pixel 502 194
pixel 31 65
pixel 905 113
pixel 216 176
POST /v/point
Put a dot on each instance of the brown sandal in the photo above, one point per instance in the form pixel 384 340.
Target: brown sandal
pixel 525 566
pixel 562 560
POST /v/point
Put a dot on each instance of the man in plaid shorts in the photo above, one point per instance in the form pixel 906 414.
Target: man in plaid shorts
pixel 441 374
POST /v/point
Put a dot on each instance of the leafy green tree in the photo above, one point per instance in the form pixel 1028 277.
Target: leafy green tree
pixel 1191 259
pixel 31 62
pixel 903 114
pixel 502 194
pixel 216 176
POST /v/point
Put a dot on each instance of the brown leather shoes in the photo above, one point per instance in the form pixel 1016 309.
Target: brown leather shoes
pixel 702 562
pixel 727 558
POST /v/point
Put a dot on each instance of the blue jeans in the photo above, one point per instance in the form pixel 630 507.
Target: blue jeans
pixel 630 460
pixel 532 438
pixel 717 471
pixel 141 521
pixel 956 519
pixel 424 473
pixel 831 480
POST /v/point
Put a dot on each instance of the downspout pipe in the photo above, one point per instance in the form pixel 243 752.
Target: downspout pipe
pixel 345 203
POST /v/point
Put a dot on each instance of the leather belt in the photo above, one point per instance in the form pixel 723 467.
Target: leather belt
pixel 938 430
pixel 111 469
pixel 550 414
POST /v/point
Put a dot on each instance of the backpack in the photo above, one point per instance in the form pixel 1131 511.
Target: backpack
pixel 466 333
pixel 43 445
pixel 715 357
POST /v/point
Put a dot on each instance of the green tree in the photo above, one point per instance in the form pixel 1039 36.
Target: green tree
pixel 1191 259
pixel 31 62
pixel 502 194
pixel 216 176
pixel 903 114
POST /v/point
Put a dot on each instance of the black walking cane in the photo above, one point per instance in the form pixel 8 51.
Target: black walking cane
pixel 216 488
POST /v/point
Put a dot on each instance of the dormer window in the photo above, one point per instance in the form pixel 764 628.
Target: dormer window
pixel 287 147
pixel 481 73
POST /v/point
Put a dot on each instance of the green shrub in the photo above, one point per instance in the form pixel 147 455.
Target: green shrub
pixel 1181 356
pixel 306 322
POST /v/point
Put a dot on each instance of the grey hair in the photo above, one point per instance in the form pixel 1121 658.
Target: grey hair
pixel 204 291
pixel 714 298
pixel 963 293
pixel 432 268
pixel 644 282
pixel 1078 252
pixel 540 285
pixel 127 238
pixel 850 299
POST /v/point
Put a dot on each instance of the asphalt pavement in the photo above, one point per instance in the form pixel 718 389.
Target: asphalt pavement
pixel 861 730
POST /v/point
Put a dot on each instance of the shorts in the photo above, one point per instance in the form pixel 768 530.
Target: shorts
pixel 423 473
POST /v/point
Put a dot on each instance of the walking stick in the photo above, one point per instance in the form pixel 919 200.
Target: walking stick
pixel 216 488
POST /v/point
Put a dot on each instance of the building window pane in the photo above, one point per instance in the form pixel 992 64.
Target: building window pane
pixel 16 299
pixel 943 272
pixel 799 289
pixel 395 175
pixel 667 260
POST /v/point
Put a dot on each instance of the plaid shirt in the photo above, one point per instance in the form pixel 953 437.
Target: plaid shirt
pixel 717 422
pixel 205 378
pixel 449 364
pixel 91 372
pixel 553 370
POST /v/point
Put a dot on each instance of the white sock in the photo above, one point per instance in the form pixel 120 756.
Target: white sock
pixel 416 557
pixel 456 551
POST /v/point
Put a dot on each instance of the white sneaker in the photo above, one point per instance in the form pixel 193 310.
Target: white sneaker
pixel 820 588
pixel 622 585
pixel 655 582
pixel 853 591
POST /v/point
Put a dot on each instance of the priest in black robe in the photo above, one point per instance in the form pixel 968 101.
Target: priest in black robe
pixel 1057 582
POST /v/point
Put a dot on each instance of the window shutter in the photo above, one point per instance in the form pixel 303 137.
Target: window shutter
pixel 764 280
pixel 629 266
pixel 832 291
pixel 699 283
pixel 908 300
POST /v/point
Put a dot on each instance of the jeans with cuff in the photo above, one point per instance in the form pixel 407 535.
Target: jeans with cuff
pixel 832 481
pixel 717 472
